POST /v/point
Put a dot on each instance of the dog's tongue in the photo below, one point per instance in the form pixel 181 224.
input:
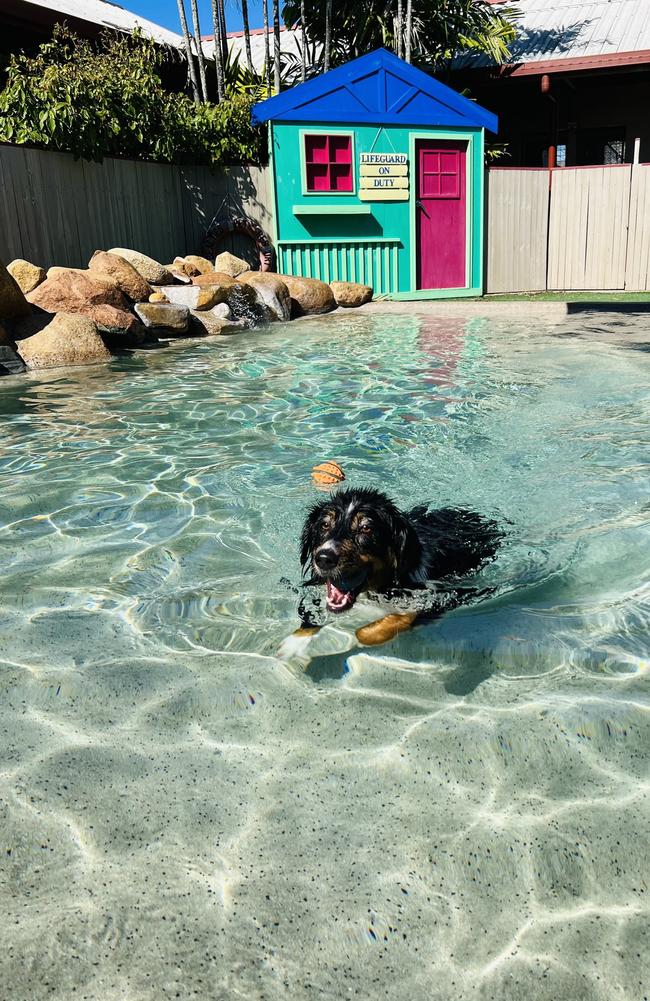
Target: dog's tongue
pixel 337 600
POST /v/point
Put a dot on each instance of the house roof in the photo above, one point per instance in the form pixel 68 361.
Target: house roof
pixel 563 35
pixel 377 88
pixel 106 15
pixel 290 39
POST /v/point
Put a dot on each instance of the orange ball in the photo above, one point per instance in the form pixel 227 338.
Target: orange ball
pixel 327 473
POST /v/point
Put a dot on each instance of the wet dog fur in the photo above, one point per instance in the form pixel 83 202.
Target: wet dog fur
pixel 358 541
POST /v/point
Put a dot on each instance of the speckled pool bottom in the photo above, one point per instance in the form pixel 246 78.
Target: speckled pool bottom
pixel 464 813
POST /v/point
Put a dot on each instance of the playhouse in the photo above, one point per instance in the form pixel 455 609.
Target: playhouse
pixel 378 178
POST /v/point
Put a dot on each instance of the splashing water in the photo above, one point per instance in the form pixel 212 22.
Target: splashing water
pixel 460 814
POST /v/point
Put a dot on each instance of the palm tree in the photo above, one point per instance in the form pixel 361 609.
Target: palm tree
pixel 247 34
pixel 267 49
pixel 399 28
pixel 276 45
pixel 199 48
pixel 218 51
pixel 188 52
pixel 303 33
pixel 328 34
pixel 409 29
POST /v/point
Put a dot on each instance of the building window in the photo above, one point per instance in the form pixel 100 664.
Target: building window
pixel 600 146
pixel 328 162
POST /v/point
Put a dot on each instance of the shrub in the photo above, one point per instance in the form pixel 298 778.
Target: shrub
pixel 110 100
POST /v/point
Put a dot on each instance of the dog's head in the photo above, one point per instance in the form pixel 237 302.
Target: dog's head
pixel 356 541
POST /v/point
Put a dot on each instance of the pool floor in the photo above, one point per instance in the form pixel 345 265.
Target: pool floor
pixel 461 814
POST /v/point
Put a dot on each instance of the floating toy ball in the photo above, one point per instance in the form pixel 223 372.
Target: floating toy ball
pixel 326 474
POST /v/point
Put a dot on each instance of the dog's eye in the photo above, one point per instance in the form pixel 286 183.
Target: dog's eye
pixel 365 529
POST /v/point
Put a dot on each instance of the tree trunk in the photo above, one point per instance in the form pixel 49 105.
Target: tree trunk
pixel 409 29
pixel 399 48
pixel 188 52
pixel 303 61
pixel 276 45
pixel 218 51
pixel 328 34
pixel 267 48
pixel 247 34
pixel 224 33
pixel 199 49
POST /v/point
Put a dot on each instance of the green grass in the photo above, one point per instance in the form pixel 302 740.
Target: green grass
pixel 570 297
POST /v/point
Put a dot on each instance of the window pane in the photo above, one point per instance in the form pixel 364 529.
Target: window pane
pixel 340 149
pixel 341 176
pixel 316 149
pixel 318 177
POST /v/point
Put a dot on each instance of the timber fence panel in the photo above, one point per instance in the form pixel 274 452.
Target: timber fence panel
pixel 637 273
pixel 517 230
pixel 58 210
pixel 588 228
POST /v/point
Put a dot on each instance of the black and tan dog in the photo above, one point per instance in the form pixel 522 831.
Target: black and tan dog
pixel 358 541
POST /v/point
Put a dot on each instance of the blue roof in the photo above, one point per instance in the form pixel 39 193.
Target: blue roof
pixel 376 89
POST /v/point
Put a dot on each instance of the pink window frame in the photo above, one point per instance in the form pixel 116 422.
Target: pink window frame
pixel 328 162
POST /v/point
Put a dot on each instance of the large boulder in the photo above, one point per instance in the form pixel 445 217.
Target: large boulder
pixel 117 325
pixel 12 300
pixel 351 293
pixel 171 318
pixel 70 290
pixel 151 270
pixel 308 295
pixel 230 264
pixel 125 276
pixel 193 296
pixel 272 290
pixel 212 323
pixel 69 339
pixel 27 275
pixel 213 278
pixel 192 265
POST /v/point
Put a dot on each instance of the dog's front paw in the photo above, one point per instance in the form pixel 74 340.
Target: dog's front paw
pixel 385 629
pixel 294 649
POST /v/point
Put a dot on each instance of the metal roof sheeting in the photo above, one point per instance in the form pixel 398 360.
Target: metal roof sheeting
pixel 109 15
pixel 575 29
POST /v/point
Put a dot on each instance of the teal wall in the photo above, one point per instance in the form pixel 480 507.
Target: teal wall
pixel 377 246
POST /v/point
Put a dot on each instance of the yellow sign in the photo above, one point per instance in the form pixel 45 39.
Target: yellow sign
pixel 383 194
pixel 384 170
pixel 383 177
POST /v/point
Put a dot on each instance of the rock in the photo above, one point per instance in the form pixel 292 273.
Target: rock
pixel 151 270
pixel 27 275
pixel 223 310
pixel 110 320
pixel 69 339
pixel 230 265
pixel 127 279
pixel 194 296
pixel 271 290
pixel 69 290
pixel 180 276
pixel 158 297
pixel 12 301
pixel 192 265
pixel 214 278
pixel 164 316
pixel 209 323
pixel 308 295
pixel 10 361
pixel 351 293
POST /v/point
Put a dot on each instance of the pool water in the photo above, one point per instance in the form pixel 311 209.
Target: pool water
pixel 461 814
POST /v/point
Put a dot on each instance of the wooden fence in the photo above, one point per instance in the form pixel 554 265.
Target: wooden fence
pixel 58 210
pixel 589 228
pixel 583 228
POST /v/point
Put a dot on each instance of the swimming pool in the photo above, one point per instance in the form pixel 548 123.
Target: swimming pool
pixel 460 814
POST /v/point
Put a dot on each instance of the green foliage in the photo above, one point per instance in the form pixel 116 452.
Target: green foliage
pixel 441 29
pixel 110 100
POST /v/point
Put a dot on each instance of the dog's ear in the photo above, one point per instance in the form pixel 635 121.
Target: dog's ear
pixel 406 549
pixel 309 538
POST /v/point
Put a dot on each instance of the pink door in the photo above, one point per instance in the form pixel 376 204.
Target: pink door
pixel 441 214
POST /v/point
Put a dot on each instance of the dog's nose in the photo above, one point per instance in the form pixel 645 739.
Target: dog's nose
pixel 326 558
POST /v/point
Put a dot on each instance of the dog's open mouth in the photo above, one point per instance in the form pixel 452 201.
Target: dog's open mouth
pixel 343 595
